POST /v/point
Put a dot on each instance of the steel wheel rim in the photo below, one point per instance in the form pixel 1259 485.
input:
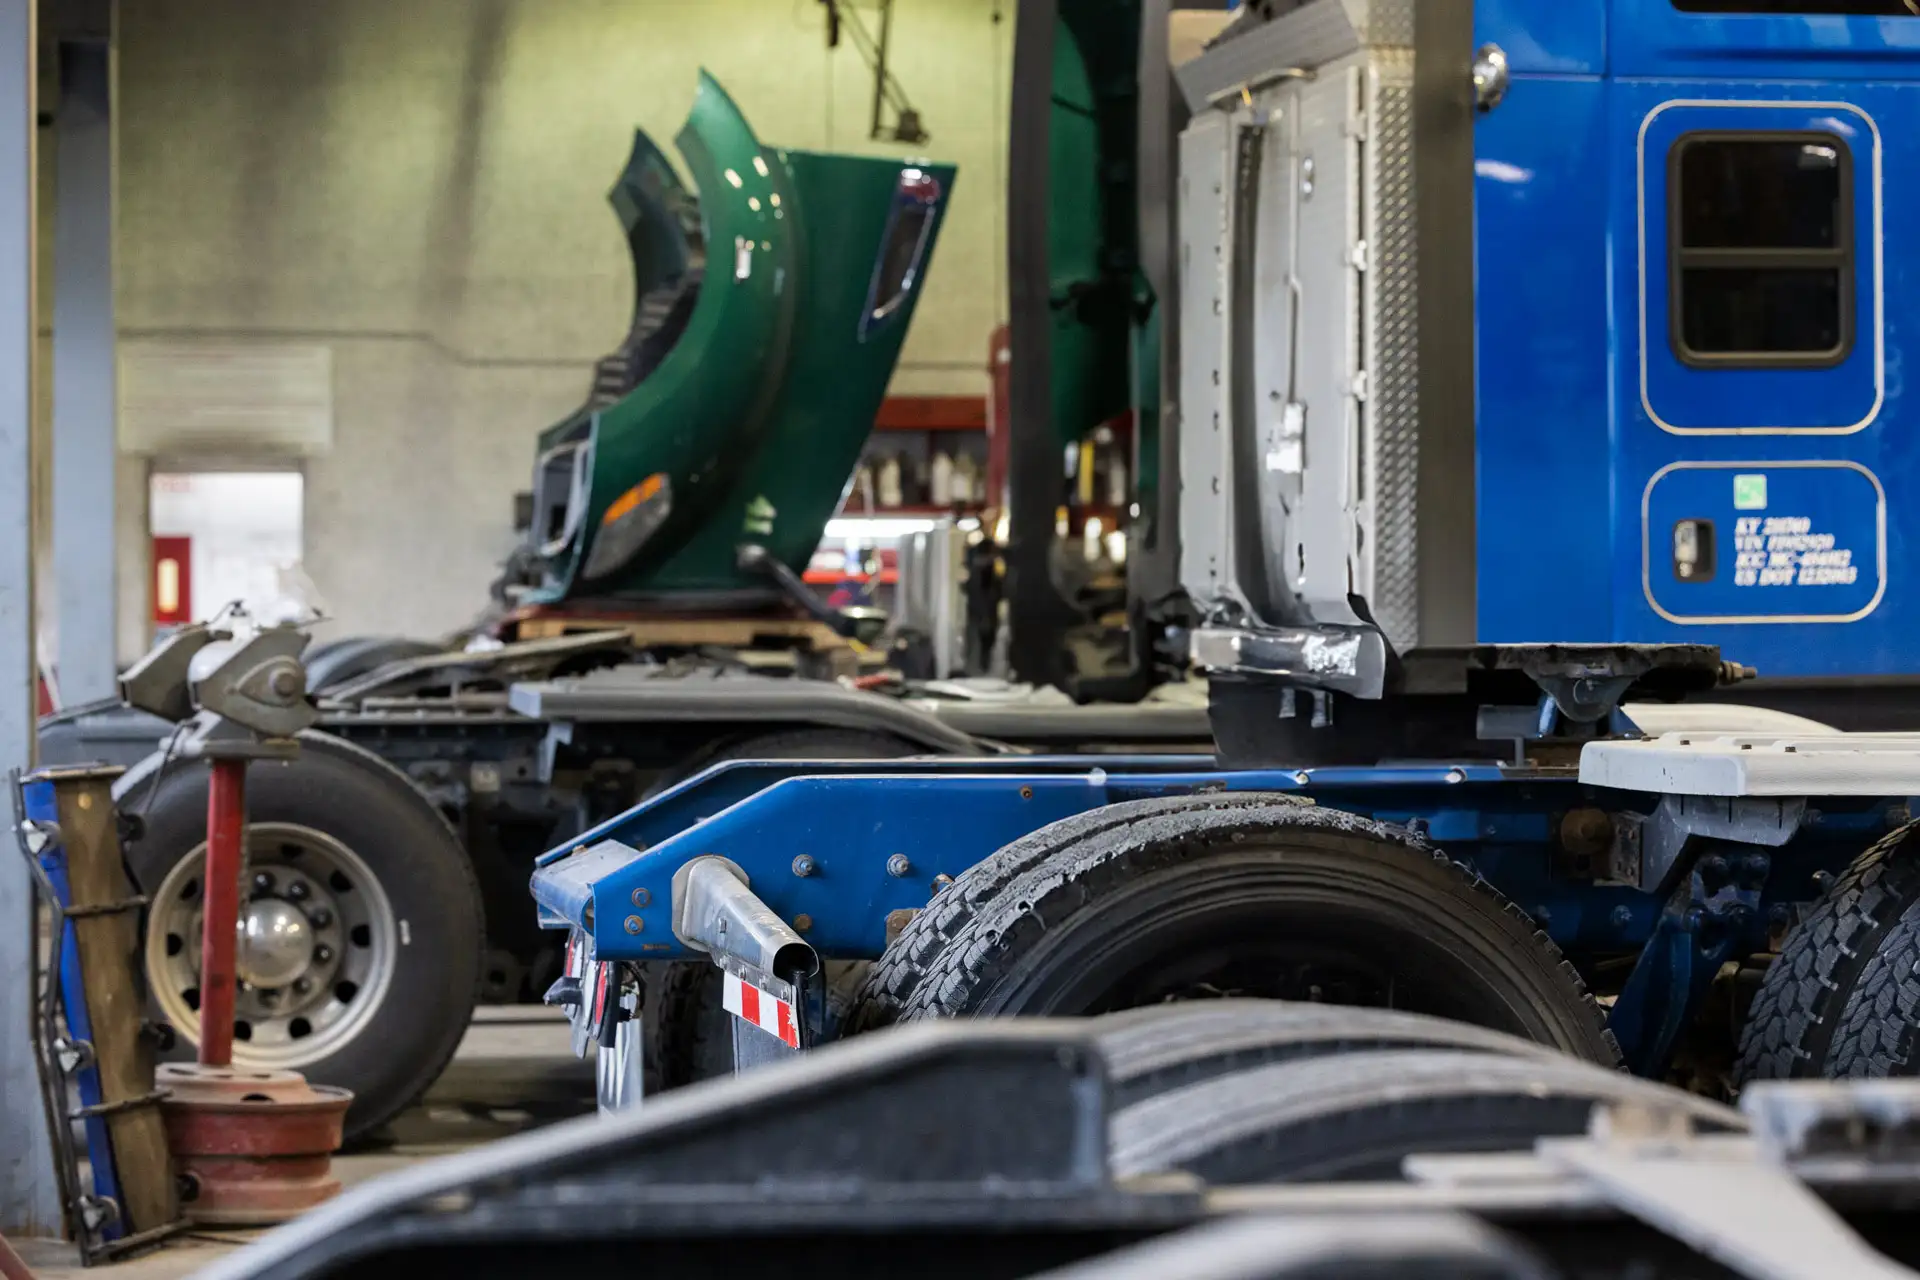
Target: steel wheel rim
pixel 288 1028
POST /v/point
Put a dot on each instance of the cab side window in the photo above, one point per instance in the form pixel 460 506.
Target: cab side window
pixel 1761 250
pixel 1868 8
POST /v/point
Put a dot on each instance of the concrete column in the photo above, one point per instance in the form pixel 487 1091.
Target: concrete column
pixel 83 374
pixel 29 1201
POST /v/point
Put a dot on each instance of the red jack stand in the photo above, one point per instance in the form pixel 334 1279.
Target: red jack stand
pixel 254 1147
pixel 226 860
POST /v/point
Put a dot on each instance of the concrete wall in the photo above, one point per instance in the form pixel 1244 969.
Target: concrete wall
pixel 421 186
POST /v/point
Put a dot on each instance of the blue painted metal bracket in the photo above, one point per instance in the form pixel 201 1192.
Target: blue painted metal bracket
pixel 1712 917
pixel 834 849
pixel 849 827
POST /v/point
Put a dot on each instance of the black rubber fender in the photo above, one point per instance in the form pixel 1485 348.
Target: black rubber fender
pixel 341 660
pixel 787 744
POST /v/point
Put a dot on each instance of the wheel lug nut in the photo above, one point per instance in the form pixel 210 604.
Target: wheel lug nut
pixel 321 918
pixel 322 954
pixel 298 890
pixel 302 985
pixel 263 882
pixel 268 995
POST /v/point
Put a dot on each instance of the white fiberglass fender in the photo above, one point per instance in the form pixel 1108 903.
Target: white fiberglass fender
pixel 1657 718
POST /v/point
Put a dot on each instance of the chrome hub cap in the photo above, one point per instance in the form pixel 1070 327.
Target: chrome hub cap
pixel 275 944
pixel 317 941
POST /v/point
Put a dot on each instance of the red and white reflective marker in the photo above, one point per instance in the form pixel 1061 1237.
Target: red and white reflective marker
pixel 600 988
pixel 768 1012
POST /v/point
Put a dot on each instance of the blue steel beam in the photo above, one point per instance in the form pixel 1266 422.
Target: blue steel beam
pixel 29 1200
pixel 85 448
pixel 854 823
pixel 729 782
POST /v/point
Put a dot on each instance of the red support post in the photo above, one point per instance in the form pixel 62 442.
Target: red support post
pixel 226 834
pixel 12 1265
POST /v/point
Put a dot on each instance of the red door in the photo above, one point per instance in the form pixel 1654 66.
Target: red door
pixel 172 580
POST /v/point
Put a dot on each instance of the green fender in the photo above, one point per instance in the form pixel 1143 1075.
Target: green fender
pixel 843 353
pixel 696 415
pixel 661 219
pixel 747 428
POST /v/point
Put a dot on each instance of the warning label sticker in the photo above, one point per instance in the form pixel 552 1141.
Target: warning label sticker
pixel 1763 542
pixel 1787 551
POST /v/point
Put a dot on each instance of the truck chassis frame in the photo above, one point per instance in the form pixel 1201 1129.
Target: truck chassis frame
pixel 1652 866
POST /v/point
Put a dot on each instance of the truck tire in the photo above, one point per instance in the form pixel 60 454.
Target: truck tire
pixel 791 744
pixel 686 1035
pixel 1230 893
pixel 360 868
pixel 1842 999
pixel 1154 1050
pixel 338 661
pixel 1357 1116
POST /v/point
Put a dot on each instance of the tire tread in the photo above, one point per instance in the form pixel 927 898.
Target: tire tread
pixel 953 950
pixel 1295 1119
pixel 1823 1006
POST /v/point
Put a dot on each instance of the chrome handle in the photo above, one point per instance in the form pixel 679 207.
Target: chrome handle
pixel 1491 76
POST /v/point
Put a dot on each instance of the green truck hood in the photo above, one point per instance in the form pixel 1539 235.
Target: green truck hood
pixel 769 316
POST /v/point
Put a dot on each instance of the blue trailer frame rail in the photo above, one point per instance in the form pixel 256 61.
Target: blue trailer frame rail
pixel 723 785
pixel 1670 885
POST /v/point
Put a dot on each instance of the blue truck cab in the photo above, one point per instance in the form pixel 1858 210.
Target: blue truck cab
pixel 1694 291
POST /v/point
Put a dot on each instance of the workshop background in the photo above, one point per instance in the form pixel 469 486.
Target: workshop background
pixel 1372 622
pixel 415 194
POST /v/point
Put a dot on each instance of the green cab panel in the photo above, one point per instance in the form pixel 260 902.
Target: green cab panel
pixel 769 315
pixel 1091 287
pixel 662 221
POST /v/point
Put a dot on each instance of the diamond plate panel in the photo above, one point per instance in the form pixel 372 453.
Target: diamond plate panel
pixel 1393 356
pixel 1383 23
